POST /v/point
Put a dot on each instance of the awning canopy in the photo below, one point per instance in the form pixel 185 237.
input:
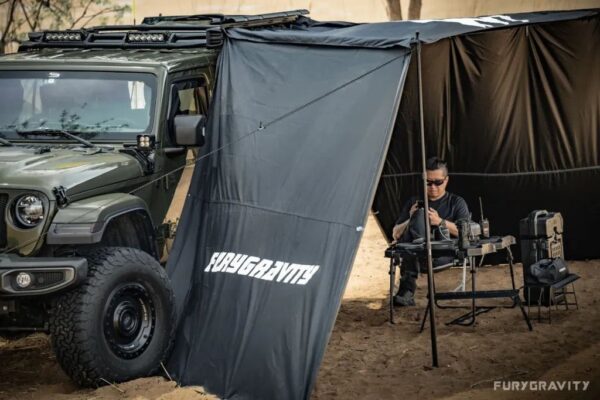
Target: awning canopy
pixel 313 125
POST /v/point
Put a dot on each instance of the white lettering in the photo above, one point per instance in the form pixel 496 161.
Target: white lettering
pixel 308 274
pixel 274 271
pixel 213 259
pixel 224 263
pixel 261 268
pixel 301 270
pixel 284 271
pixel 236 263
pixel 248 265
pixel 294 268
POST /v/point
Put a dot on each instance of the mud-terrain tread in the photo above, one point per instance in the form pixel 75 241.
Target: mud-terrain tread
pixel 74 350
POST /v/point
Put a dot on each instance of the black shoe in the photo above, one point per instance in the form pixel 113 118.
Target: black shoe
pixel 405 300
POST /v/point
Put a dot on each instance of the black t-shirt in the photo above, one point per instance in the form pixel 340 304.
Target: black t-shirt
pixel 450 207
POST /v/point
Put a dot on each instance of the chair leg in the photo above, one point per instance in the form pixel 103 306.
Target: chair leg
pixel 525 315
pixel 575 296
pixel 510 258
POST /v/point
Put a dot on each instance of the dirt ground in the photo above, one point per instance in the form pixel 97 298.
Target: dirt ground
pixel 368 358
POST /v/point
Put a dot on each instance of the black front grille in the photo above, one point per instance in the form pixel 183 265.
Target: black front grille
pixel 42 280
pixel 3 203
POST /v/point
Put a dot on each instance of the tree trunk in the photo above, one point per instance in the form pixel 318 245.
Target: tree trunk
pixel 414 9
pixel 394 10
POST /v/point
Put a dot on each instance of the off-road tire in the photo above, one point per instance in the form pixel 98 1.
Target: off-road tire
pixel 80 319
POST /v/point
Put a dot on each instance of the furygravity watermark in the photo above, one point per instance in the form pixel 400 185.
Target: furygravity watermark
pixel 542 386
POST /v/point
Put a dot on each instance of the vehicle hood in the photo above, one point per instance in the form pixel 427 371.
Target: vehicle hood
pixel 76 169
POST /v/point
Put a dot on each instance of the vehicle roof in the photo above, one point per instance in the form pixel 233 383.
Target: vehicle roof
pixel 171 60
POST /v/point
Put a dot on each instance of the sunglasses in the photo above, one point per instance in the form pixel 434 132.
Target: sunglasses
pixel 436 182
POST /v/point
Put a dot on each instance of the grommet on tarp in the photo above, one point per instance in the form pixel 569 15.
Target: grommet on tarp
pixel 261 127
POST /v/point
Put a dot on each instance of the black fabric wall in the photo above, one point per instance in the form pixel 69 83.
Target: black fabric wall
pixel 516 113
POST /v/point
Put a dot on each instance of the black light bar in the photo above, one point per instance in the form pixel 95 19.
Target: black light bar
pixel 64 36
pixel 147 37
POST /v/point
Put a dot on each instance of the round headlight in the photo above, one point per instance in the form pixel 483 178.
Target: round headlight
pixel 29 210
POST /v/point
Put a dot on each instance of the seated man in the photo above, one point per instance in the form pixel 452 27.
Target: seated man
pixel 444 210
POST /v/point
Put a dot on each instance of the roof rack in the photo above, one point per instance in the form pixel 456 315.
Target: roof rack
pixel 162 32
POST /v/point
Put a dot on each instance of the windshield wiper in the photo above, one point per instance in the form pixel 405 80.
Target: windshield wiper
pixel 57 132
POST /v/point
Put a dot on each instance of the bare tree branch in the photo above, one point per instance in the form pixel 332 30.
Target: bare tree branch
pixel 102 12
pixel 30 15
pixel 36 20
pixel 83 14
pixel 26 14
pixel 394 9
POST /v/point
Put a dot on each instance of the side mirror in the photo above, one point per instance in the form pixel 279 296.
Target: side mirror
pixel 189 130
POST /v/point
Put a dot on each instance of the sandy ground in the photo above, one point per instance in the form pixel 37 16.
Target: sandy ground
pixel 368 358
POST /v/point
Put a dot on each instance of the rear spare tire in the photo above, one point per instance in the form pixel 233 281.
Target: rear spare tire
pixel 119 324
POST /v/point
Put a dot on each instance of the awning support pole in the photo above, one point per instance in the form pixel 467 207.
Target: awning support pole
pixel 430 287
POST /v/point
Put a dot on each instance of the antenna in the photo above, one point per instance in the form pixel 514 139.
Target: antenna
pixel 484 223
pixel 480 208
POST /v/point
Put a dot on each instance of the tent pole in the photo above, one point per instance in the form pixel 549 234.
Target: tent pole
pixel 430 287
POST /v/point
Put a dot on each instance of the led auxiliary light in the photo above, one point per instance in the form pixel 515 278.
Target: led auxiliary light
pixel 146 37
pixel 145 142
pixel 23 280
pixel 63 36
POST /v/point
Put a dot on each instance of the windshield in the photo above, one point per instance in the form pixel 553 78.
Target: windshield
pixel 100 105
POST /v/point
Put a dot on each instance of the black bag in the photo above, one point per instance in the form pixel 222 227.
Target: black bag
pixel 549 271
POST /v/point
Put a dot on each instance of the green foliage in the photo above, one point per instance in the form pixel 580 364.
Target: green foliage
pixel 23 16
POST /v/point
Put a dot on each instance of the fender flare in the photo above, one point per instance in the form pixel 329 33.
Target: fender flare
pixel 84 221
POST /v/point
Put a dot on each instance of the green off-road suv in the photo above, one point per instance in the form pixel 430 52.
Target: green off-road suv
pixel 95 125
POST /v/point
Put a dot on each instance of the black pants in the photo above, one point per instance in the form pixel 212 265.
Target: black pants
pixel 408 275
pixel 409 269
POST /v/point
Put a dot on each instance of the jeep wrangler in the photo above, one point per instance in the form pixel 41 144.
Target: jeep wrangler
pixel 95 125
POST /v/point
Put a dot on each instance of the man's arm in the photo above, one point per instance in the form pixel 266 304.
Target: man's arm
pixel 452 228
pixel 399 229
pixel 402 222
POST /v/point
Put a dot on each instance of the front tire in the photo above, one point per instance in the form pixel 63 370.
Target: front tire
pixel 119 324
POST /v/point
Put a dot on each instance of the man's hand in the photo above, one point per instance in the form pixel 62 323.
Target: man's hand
pixel 413 208
pixel 434 217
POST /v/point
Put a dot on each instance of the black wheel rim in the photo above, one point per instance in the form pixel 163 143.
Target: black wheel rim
pixel 129 320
